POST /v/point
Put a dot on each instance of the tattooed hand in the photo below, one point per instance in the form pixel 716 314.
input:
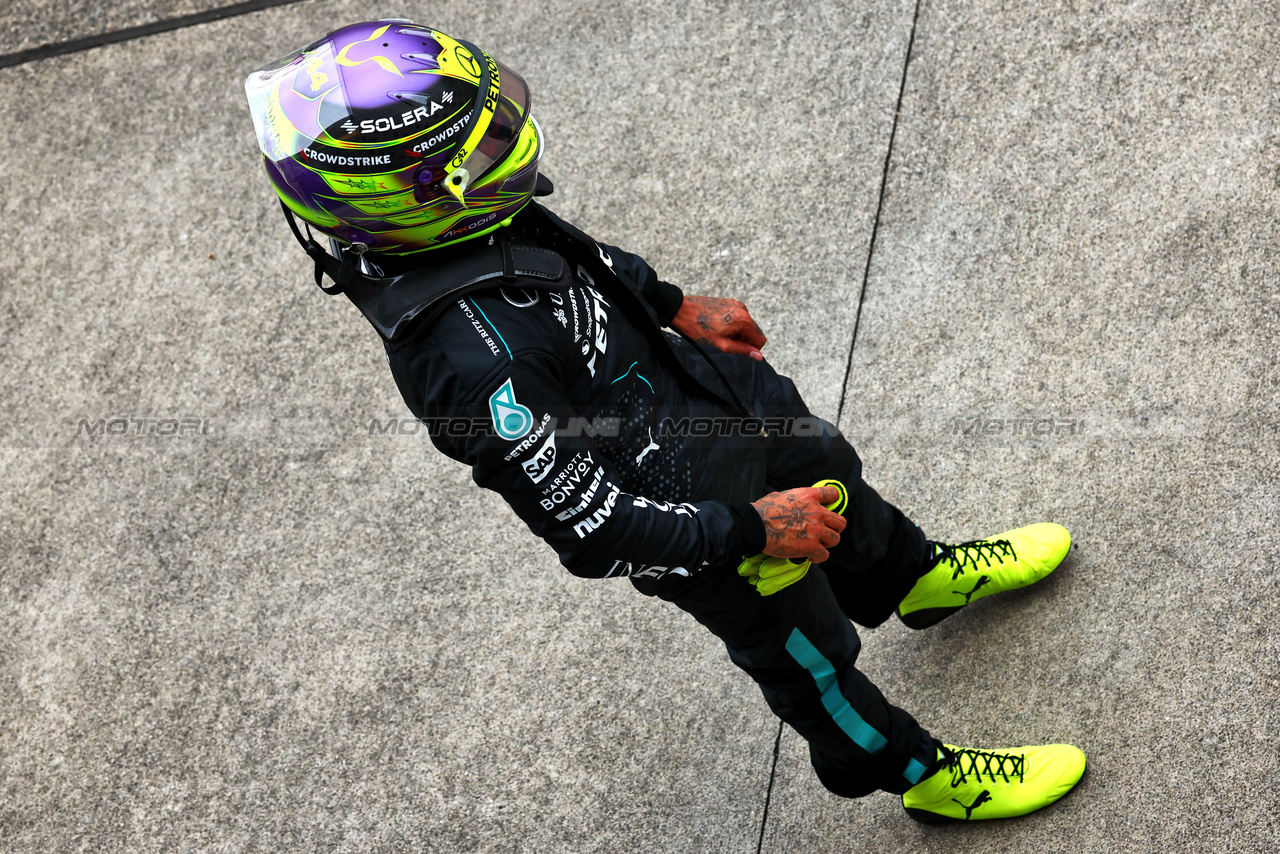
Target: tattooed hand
pixel 797 525
pixel 722 323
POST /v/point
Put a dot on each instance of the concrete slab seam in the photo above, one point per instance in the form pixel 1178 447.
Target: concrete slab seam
pixel 875 225
pixel 768 793
pixel 48 51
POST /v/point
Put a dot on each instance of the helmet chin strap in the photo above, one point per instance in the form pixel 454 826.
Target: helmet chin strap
pixel 342 270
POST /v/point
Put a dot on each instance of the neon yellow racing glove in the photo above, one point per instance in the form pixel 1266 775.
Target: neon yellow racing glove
pixel 768 574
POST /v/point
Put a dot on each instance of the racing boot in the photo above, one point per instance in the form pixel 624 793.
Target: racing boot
pixel 967 572
pixel 967 784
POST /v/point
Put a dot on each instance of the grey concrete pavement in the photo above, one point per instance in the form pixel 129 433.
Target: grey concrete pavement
pixel 26 24
pixel 1072 316
pixel 275 631
pixel 216 641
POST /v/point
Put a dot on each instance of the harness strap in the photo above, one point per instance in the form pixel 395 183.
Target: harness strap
pixel 340 272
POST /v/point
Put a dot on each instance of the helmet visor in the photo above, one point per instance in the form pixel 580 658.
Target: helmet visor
pixel 504 128
pixel 500 113
pixel 310 74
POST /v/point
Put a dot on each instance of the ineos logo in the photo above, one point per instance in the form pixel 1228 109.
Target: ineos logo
pixel 524 297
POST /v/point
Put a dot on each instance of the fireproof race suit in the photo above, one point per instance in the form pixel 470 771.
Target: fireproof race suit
pixel 633 453
pixel 561 402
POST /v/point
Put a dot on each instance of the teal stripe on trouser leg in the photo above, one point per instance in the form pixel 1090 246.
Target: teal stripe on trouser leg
pixel 807 656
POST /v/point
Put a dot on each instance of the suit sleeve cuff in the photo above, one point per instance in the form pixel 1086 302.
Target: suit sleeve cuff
pixel 666 299
pixel 748 536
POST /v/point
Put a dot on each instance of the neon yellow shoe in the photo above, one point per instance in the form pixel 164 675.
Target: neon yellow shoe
pixel 967 572
pixel 976 784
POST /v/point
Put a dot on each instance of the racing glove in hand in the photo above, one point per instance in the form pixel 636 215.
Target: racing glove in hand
pixel 769 574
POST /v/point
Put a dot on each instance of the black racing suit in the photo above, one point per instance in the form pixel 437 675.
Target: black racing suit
pixel 634 453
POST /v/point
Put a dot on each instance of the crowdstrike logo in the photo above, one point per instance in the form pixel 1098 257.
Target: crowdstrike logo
pixel 339 160
pixel 442 136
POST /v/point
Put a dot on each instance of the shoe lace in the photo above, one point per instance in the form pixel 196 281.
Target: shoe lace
pixel 968 555
pixel 979 763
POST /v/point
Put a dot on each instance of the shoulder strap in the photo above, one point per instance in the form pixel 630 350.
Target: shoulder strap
pixel 423 293
pixel 391 304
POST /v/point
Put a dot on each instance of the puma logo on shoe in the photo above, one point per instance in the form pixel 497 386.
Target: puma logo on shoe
pixel 1007 561
pixel 982 799
pixel 983 579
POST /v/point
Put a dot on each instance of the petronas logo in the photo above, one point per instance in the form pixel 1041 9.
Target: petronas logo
pixel 511 419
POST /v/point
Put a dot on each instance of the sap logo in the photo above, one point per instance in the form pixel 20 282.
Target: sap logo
pixel 510 419
pixel 540 465
pixel 596 519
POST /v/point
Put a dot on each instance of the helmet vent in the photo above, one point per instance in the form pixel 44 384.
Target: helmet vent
pixel 424 58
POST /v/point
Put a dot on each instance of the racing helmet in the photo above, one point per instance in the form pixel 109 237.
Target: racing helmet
pixel 396 138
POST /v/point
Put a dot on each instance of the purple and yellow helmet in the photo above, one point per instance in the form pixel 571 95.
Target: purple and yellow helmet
pixel 396 136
